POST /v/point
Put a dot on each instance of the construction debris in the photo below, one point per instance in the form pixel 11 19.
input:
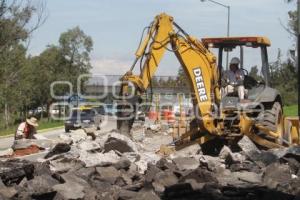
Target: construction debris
pixel 113 166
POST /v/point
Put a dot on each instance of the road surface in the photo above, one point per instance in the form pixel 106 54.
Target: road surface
pixel 107 125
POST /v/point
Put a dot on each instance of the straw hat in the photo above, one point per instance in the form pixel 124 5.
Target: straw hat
pixel 32 121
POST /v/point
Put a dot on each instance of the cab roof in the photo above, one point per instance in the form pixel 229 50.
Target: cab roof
pixel 236 41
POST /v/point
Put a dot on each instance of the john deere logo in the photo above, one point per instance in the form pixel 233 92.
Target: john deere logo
pixel 200 84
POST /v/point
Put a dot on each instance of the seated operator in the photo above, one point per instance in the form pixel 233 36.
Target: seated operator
pixel 234 79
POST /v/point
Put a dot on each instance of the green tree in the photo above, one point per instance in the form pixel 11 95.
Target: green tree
pixel 292 25
pixel 75 47
pixel 64 62
pixel 182 79
pixel 284 77
pixel 46 69
pixel 16 25
pixel 13 63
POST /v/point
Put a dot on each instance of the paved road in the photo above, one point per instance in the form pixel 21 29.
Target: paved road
pixel 107 125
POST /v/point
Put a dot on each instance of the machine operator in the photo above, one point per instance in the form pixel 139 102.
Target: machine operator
pixel 234 79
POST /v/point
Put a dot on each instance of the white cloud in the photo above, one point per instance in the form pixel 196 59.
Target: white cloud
pixel 110 66
pixel 119 65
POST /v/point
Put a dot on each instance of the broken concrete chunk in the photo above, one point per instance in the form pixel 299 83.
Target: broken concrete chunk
pixel 152 170
pixel 124 163
pixel 58 149
pixel 13 171
pixel 119 143
pixel 90 129
pixel 293 152
pixel 146 158
pixel 226 178
pixel 248 146
pixel 126 178
pixel 225 152
pixel 277 174
pixel 158 187
pixel 249 177
pixel 85 173
pixel 194 184
pixel 69 191
pixel 6 152
pixel 200 175
pixel 165 164
pixel 185 163
pixel 211 163
pixel 265 158
pixel 165 178
pixel 230 157
pixel 146 195
pixel 7 192
pixel 65 139
pixel 126 194
pixel 165 150
pixel 78 135
pixel 98 159
pixel 90 132
pixel 131 156
pixel 293 163
pixel 108 174
pixel 41 168
pixel 245 166
pixel 41 185
pixel 189 151
pixel 137 133
pixel 155 142
pixel 88 145
pixel 65 164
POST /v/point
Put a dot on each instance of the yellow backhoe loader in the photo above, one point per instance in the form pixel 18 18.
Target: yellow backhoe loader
pixel 226 117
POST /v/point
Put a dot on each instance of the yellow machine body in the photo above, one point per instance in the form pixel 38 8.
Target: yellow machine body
pixel 200 66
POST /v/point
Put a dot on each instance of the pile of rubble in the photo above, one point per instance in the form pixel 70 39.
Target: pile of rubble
pixel 112 166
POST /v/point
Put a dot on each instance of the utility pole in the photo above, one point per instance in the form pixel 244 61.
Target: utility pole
pixel 228 33
pixel 228 23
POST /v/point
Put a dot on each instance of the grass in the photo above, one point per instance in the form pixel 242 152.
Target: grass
pixel 290 110
pixel 43 124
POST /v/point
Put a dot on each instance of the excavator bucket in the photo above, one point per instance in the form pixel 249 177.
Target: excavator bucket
pixel 292 130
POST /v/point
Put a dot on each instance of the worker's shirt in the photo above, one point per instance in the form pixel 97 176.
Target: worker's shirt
pixel 24 131
pixel 234 78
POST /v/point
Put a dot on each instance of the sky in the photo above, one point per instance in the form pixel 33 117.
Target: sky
pixel 116 27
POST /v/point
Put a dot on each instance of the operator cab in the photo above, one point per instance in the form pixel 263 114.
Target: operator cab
pixel 236 47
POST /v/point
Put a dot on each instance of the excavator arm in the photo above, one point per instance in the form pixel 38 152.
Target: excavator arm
pixel 155 42
pixel 197 61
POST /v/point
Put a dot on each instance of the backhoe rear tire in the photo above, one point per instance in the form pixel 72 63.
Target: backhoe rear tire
pixel 272 119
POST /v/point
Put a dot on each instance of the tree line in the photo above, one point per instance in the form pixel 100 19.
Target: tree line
pixel 283 72
pixel 25 79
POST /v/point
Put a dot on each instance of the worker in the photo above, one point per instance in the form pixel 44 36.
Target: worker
pixel 235 79
pixel 27 129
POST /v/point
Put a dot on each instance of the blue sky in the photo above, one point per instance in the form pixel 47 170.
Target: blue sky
pixel 116 26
